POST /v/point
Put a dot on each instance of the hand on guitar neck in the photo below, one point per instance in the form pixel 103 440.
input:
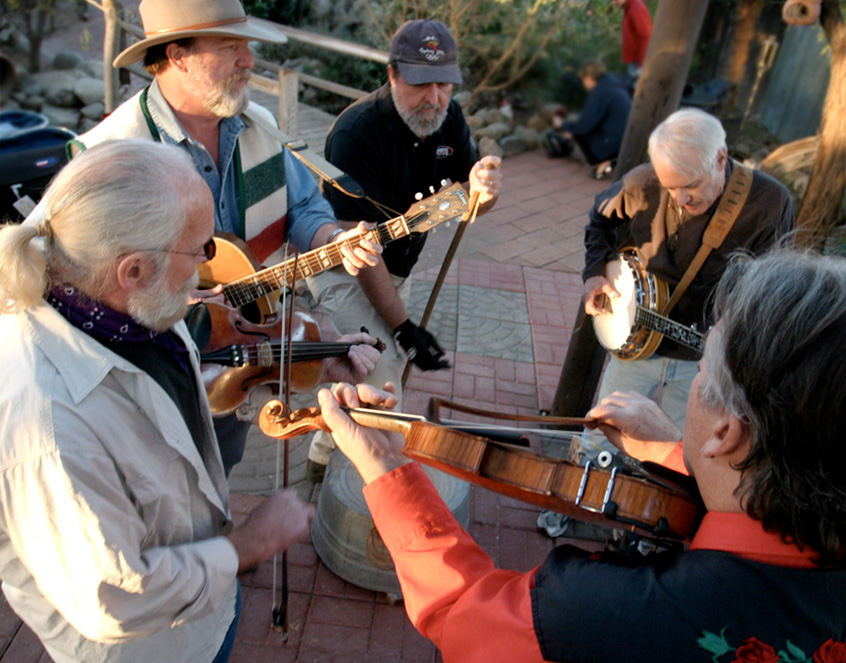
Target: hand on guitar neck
pixel 357 251
pixel 597 291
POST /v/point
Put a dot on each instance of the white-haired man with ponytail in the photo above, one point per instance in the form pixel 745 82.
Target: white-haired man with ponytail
pixel 116 540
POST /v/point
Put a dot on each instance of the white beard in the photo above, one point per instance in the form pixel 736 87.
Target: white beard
pixel 217 96
pixel 159 309
pixel 420 125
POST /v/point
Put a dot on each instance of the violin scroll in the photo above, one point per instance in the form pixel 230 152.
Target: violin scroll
pixel 277 421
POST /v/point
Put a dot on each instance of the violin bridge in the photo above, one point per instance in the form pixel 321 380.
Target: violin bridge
pixel 264 352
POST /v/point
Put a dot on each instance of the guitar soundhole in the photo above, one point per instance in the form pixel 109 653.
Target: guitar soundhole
pixel 251 313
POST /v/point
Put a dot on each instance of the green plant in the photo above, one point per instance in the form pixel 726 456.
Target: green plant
pixel 499 40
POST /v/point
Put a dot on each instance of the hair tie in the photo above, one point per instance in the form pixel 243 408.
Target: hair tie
pixel 45 230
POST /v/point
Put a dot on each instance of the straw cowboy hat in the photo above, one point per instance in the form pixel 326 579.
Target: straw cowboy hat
pixel 168 20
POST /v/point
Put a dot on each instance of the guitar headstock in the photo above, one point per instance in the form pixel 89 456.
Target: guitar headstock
pixel 442 206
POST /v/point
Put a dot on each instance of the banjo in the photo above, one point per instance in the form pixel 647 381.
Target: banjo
pixel 634 327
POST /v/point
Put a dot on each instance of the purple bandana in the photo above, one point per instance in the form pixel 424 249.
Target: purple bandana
pixel 107 325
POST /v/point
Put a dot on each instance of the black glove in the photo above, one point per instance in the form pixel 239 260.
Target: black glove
pixel 420 346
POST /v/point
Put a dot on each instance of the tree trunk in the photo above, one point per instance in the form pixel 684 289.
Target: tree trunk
pixel 34 59
pixel 674 34
pixel 822 206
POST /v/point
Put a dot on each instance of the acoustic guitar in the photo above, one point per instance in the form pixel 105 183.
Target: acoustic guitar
pixel 244 282
pixel 633 326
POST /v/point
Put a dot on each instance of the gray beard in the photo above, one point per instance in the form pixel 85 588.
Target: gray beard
pixel 217 97
pixel 227 104
pixel 420 125
pixel 159 309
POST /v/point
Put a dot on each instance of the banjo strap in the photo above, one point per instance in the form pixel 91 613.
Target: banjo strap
pixel 731 202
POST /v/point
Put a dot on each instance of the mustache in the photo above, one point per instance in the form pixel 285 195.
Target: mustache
pixel 427 106
pixel 237 78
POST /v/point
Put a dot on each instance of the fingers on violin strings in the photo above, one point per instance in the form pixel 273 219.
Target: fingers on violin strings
pixel 377 397
pixel 346 394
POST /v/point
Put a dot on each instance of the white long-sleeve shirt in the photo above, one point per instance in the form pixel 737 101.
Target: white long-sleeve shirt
pixel 111 529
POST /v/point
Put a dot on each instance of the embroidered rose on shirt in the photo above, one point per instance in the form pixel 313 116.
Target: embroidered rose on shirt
pixel 753 650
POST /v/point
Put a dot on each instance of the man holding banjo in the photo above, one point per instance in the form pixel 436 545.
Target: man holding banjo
pixel 680 216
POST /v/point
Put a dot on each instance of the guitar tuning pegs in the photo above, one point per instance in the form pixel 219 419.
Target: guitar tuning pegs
pixel 444 183
pixel 418 196
pixel 432 189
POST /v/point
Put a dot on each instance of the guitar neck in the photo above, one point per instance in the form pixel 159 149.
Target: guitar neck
pixel 270 280
pixel 670 329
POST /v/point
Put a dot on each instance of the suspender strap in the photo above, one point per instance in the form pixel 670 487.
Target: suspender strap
pixel 317 164
pixel 731 202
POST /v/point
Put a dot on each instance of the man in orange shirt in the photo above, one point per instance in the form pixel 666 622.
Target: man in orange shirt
pixel 763 441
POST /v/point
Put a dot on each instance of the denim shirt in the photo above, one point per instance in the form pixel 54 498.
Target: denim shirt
pixel 222 183
pixel 307 208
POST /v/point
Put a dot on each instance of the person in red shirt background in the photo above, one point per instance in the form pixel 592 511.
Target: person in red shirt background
pixel 764 577
pixel 637 29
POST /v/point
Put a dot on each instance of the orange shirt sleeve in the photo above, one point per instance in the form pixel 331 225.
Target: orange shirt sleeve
pixel 452 592
pixel 675 460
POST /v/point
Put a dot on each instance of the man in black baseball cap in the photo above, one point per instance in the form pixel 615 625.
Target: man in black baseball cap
pixel 425 52
pixel 404 139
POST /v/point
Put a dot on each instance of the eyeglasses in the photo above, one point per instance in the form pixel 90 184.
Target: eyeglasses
pixel 209 251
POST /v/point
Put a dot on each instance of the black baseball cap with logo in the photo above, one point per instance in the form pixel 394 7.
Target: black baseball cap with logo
pixel 425 52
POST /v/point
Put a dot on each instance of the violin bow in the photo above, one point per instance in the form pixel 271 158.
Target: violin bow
pixel 568 423
pixel 279 610
pixel 466 219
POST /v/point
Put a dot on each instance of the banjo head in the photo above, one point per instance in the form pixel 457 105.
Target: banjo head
pixel 619 331
pixel 613 329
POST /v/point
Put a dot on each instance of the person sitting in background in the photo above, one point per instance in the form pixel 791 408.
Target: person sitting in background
pixel 763 442
pixel 116 539
pixel 599 129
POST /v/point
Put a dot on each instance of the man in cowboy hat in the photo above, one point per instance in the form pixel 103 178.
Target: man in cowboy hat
pixel 197 51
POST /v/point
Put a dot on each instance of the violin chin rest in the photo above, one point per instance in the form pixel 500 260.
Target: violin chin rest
pixel 199 324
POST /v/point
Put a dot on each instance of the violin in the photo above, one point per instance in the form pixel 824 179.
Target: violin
pixel 237 355
pixel 666 508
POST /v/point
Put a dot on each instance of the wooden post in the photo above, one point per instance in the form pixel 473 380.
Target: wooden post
pixel 288 100
pixel 111 44
pixel 674 34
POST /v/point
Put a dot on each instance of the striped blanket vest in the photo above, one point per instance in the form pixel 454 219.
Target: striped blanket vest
pixel 259 166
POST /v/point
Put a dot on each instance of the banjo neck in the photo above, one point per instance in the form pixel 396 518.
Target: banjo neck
pixel 670 329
